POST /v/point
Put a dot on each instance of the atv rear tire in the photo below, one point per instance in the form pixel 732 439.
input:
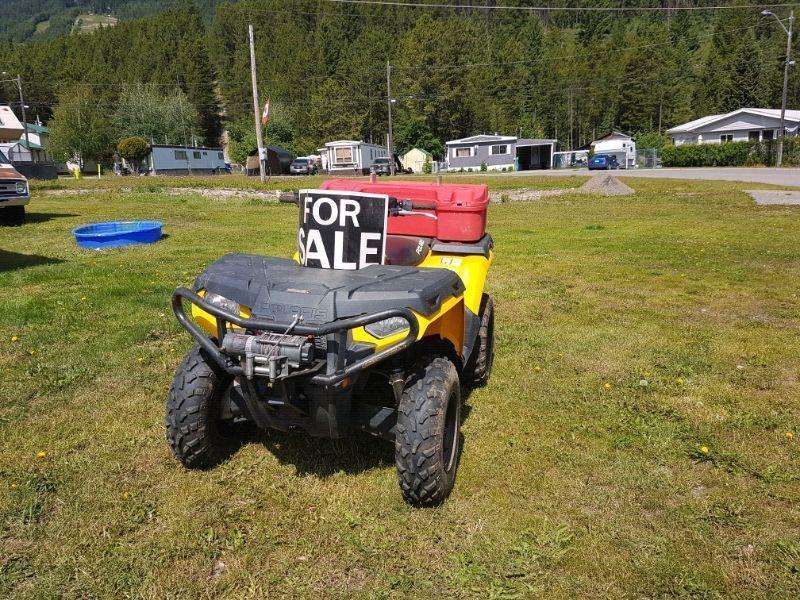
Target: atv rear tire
pixel 479 365
pixel 13 216
pixel 427 438
pixel 195 432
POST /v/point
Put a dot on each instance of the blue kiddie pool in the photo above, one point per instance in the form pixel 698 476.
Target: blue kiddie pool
pixel 117 233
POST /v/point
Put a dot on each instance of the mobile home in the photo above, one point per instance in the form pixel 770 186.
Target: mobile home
pixel 620 145
pixel 351 157
pixel 185 160
pixel 499 152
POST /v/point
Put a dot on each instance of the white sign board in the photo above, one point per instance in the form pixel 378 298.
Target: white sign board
pixel 342 230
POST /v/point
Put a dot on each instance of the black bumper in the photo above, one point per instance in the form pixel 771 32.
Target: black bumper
pixel 336 327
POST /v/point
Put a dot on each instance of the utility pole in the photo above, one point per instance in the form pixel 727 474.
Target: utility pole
pixel 786 66
pixel 183 126
pixel 256 107
pixel 789 63
pixel 390 141
pixel 24 118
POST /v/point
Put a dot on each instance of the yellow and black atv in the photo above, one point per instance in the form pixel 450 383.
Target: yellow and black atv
pixel 375 325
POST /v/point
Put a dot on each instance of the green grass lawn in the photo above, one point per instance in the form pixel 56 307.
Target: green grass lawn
pixel 243 182
pixel 634 440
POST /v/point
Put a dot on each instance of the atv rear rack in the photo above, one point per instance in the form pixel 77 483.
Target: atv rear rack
pixel 341 326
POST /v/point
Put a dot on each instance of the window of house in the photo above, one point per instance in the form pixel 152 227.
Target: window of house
pixel 343 156
pixel 462 152
pixel 196 154
pixel 499 149
pixel 180 155
pixel 220 156
pixel 767 134
pixel 726 137
pixel 753 136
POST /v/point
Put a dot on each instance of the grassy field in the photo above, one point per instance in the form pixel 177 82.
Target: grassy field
pixel 242 182
pixel 640 437
pixel 89 22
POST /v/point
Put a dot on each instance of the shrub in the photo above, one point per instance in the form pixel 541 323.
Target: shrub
pixel 133 149
pixel 427 167
pixel 484 166
pixel 728 154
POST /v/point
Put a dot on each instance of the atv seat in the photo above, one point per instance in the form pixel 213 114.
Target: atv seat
pixel 409 250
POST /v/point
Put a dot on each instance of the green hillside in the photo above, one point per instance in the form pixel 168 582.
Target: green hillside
pixel 23 20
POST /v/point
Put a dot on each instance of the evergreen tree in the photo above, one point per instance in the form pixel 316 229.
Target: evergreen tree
pixel 414 133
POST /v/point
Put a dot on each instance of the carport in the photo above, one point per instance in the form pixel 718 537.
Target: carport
pixel 535 154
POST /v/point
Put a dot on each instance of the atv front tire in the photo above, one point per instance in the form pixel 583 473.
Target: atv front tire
pixel 479 365
pixel 195 433
pixel 427 441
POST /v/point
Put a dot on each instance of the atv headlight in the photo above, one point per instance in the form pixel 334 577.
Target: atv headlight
pixel 387 327
pixel 222 302
pixel 22 187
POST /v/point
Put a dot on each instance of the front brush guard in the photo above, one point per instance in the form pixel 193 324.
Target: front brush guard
pixel 224 317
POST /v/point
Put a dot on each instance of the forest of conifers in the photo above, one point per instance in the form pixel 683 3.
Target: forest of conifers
pixel 569 75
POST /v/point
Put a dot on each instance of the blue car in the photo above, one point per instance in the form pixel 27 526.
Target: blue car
pixel 603 162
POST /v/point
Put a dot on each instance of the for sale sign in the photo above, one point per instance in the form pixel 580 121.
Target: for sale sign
pixel 342 230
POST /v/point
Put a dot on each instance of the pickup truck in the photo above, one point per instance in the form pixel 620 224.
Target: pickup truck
pixel 14 193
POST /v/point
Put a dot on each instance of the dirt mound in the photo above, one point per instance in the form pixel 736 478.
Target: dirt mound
pixel 606 184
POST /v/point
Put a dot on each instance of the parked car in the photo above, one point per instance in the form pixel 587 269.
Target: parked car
pixel 603 161
pixel 381 166
pixel 302 166
pixel 14 193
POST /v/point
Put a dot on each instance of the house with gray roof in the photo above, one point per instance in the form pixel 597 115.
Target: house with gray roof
pixel 498 152
pixel 742 125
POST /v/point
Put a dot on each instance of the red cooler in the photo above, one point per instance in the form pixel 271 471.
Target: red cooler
pixel 460 208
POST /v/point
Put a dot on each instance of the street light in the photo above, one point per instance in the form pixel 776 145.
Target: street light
pixel 789 63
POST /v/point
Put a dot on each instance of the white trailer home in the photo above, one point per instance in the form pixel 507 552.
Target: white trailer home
pixel 348 157
pixel 185 160
pixel 620 145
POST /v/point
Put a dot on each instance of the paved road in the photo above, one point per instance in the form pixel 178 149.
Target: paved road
pixel 755 175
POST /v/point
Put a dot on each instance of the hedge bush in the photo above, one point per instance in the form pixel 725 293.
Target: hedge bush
pixel 730 154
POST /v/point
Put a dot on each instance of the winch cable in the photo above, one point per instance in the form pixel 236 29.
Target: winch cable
pixel 297 319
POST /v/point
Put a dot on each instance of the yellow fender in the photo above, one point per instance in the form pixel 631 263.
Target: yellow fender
pixel 209 322
pixel 448 321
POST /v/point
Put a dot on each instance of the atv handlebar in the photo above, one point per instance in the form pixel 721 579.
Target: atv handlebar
pixel 223 317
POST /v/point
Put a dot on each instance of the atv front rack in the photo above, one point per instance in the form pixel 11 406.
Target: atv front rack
pixel 341 326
